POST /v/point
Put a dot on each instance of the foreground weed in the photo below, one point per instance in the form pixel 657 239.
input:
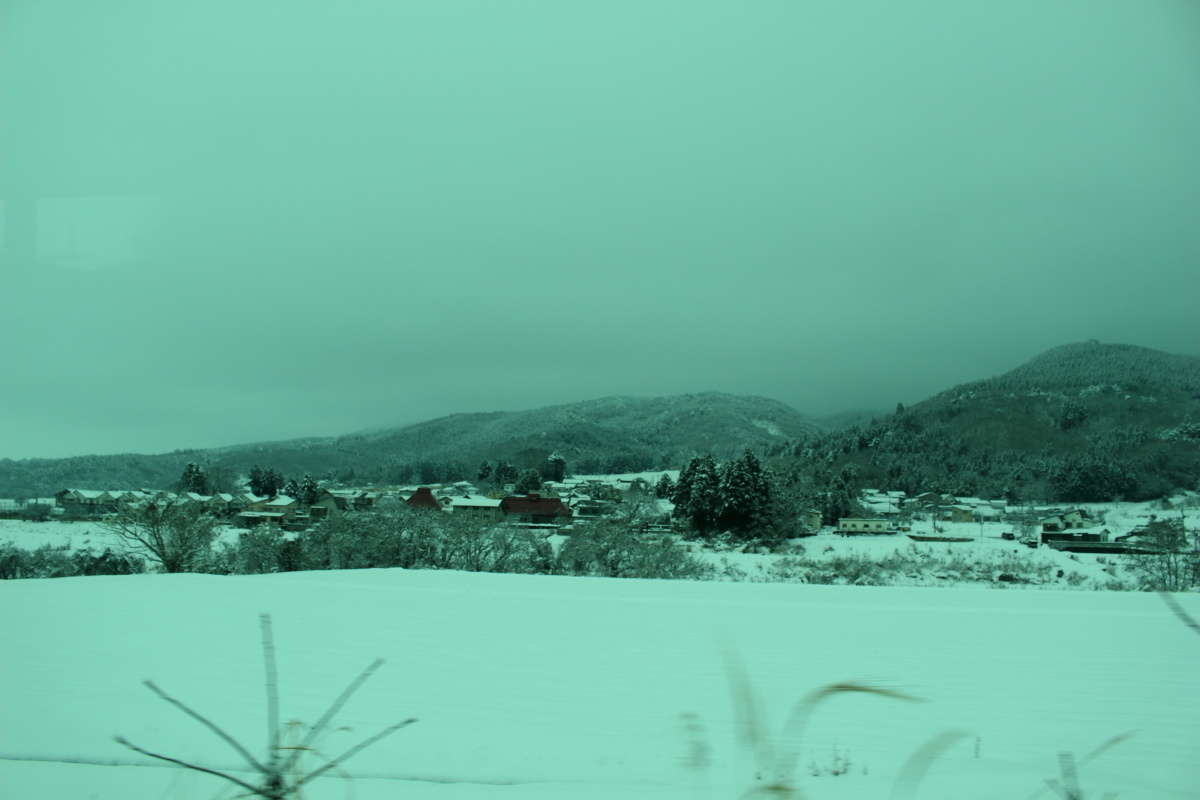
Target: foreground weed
pixel 1066 786
pixel 776 758
pixel 279 776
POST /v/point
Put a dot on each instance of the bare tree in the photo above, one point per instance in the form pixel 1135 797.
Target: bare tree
pixel 176 535
pixel 1170 562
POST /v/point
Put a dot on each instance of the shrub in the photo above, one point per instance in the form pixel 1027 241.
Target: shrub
pixel 400 537
pixel 613 550
pixel 260 550
pixel 495 548
pixel 50 561
pixel 35 512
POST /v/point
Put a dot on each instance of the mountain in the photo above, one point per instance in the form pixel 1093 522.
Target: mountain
pixel 1081 422
pixel 609 434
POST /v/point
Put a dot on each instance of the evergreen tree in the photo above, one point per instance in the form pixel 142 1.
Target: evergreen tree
pixel 308 491
pixel 485 470
pixel 697 495
pixel 429 471
pixel 841 495
pixel 705 503
pixel 745 495
pixel 258 477
pixel 665 487
pixel 555 468
pixel 291 488
pixel 529 481
pixel 398 473
pixel 193 480
pixel 681 493
pixel 504 473
pixel 274 482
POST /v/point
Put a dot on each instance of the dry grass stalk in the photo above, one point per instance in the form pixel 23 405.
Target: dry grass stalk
pixel 278 777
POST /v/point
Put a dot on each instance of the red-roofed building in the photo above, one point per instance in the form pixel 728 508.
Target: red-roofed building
pixel 534 508
pixel 423 498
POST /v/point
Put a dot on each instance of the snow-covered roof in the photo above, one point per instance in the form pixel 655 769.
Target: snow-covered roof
pixel 474 501
pixel 281 500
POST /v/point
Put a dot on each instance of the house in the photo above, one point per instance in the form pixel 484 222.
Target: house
pixel 278 509
pixel 1065 520
pixel 250 518
pixel 585 506
pixel 366 500
pixel 86 502
pixel 880 506
pixel 535 509
pixel 327 504
pixel 853 525
pixel 192 498
pixel 956 513
pixel 423 498
pixel 223 503
pixel 283 503
pixel 339 499
pixel 476 505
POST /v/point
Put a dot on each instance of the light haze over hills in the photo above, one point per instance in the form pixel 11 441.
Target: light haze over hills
pixel 224 224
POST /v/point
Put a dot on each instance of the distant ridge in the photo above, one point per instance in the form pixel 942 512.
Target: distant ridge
pixel 605 434
pixel 1080 422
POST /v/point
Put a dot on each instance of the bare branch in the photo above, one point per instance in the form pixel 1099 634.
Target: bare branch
pixel 136 749
pixel 268 641
pixel 358 748
pixel 212 726
pixel 1184 617
pixel 315 730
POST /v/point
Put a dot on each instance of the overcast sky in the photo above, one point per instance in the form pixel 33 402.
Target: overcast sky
pixel 237 221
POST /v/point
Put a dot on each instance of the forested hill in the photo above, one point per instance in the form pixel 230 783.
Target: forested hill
pixel 1081 422
pixel 610 434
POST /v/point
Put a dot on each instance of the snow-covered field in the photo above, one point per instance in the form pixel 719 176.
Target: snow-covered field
pixel 56 533
pixel 990 555
pixel 75 535
pixel 977 562
pixel 554 687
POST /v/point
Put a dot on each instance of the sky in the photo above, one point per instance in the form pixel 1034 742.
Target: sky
pixel 227 221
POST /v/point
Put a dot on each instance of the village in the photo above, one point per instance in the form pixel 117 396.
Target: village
pixel 560 505
pixel 556 506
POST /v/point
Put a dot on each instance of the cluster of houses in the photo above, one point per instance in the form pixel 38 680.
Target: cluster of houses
pixel 247 509
pixel 577 499
pixel 890 512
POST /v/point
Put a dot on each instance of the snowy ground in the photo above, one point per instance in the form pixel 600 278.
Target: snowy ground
pixel 988 555
pixel 75 535
pixel 992 555
pixel 553 687
pixel 72 535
